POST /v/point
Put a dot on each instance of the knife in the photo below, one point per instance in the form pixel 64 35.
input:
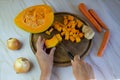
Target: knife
pixel 71 56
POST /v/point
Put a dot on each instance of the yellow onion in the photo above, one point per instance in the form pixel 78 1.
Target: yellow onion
pixel 22 65
pixel 13 44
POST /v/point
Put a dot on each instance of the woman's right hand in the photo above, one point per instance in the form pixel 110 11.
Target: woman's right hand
pixel 81 70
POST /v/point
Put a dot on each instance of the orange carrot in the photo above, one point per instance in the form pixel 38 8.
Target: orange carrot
pixel 104 43
pixel 96 17
pixel 83 9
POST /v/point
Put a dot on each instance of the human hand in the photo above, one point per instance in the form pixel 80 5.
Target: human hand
pixel 81 70
pixel 45 60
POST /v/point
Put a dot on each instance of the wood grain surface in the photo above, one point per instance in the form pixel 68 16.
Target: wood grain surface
pixel 61 58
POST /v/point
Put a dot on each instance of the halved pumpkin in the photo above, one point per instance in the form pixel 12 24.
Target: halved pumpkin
pixel 35 19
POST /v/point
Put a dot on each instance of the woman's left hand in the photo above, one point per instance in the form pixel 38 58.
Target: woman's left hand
pixel 45 60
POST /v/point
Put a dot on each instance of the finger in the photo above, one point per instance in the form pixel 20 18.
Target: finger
pixel 89 67
pixel 52 51
pixel 45 49
pixel 90 71
pixel 38 41
pixel 73 63
pixel 87 64
pixel 77 58
pixel 42 43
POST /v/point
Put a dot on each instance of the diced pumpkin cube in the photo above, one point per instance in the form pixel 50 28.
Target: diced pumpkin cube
pixel 81 35
pixel 71 33
pixel 73 30
pixel 59 29
pixel 72 38
pixel 70 17
pixel 73 25
pixel 69 29
pixel 65 21
pixel 67 32
pixel 64 29
pixel 65 17
pixel 58 36
pixel 63 33
pixel 78 39
pixel 56 26
pixel 74 35
pixel 47 32
pixel 66 37
pixel 69 24
pixel 79 23
pixel 77 32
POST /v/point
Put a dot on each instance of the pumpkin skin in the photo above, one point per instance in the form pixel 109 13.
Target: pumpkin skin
pixel 35 19
pixel 49 43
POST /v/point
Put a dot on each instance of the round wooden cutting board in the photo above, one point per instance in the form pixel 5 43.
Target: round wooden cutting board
pixel 60 57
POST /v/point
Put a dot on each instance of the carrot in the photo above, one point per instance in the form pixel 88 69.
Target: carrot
pixel 82 7
pixel 96 17
pixel 104 43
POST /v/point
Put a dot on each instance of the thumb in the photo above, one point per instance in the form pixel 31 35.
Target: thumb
pixel 77 58
pixel 52 51
pixel 72 62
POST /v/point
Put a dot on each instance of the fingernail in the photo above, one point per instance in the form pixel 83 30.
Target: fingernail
pixel 71 61
pixel 79 57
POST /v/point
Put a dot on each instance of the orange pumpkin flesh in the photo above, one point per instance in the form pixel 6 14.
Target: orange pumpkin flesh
pixel 52 42
pixel 35 19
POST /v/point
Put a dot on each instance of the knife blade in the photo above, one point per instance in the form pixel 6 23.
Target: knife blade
pixel 71 56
